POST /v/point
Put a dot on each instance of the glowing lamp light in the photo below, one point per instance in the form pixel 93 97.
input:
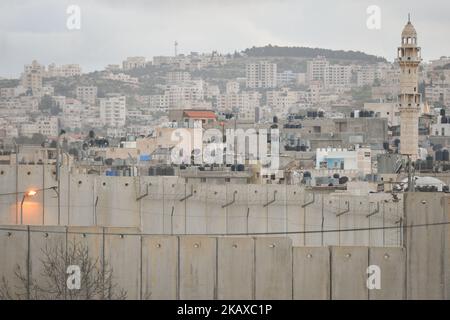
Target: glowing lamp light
pixel 31 193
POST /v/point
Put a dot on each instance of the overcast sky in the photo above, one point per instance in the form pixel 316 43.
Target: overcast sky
pixel 113 29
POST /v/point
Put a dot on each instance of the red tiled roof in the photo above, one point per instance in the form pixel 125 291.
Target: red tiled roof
pixel 200 114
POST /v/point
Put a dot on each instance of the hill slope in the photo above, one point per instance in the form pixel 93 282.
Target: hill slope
pixel 304 52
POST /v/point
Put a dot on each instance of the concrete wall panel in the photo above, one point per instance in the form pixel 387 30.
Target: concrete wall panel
pixel 123 254
pixel 235 268
pixel 273 268
pixel 159 267
pixel 13 257
pixel 348 273
pixel 197 268
pixel 47 244
pixel 311 273
pixel 9 203
pixel 393 277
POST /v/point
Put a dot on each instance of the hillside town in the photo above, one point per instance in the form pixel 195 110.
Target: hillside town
pixel 274 172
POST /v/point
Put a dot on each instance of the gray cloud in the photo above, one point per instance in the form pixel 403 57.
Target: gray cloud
pixel 113 29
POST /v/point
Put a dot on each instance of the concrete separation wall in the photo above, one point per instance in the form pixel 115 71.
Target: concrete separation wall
pixel 242 268
pixel 169 206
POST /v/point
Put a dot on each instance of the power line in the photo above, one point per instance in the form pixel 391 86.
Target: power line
pixel 232 234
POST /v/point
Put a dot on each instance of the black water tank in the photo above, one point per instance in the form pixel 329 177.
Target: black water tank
pixel 442 112
pixel 240 167
pixel 438 155
pixel 336 175
pixel 445 155
pixel 169 171
pixel 343 180
pixel 429 162
pixel 386 145
pixel 307 174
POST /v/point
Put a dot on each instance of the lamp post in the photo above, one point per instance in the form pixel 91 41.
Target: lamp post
pixel 58 179
pixel 30 193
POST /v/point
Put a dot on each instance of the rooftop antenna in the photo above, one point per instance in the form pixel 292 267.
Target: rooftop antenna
pixel 176 46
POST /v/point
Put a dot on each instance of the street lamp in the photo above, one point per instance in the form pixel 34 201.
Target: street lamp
pixel 30 193
pixel 58 172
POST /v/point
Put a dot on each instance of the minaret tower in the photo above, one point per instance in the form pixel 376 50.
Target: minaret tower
pixel 409 98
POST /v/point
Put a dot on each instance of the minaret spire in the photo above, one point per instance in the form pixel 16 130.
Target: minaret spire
pixel 409 17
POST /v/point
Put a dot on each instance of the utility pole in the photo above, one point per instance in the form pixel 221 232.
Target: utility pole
pixel 58 172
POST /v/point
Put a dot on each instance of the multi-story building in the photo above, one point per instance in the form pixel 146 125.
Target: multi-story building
pixel 122 77
pixel 438 93
pixel 236 101
pixel 178 76
pixel 133 63
pixel 47 126
pixel 87 94
pixel 282 100
pixel 113 111
pixel 183 94
pixel 262 74
pixel 331 75
pixel 366 75
pixel 32 77
pixel 63 71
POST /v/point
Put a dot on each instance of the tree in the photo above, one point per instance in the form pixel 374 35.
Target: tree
pixel 96 281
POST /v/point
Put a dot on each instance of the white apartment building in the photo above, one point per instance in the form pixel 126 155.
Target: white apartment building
pixel 178 76
pixel 438 93
pixel 316 68
pixel 76 113
pixel 180 95
pixel 12 92
pixel 63 71
pixel 87 94
pixel 133 63
pixel 338 76
pixel 236 101
pixel 331 75
pixel 113 111
pixel 18 105
pixel 32 77
pixel 122 77
pixel 262 74
pixel 47 126
pixel 158 102
pixel 366 75
pixel 282 100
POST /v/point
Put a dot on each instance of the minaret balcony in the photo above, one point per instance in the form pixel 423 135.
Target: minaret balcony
pixel 409 59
